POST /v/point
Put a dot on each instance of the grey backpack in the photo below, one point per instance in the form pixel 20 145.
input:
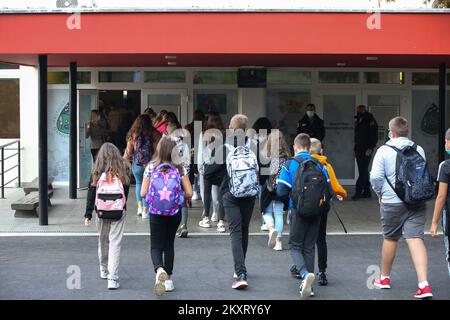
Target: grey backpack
pixel 242 168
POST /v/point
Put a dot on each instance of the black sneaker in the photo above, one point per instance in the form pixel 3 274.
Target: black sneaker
pixel 356 196
pixel 182 232
pixel 295 273
pixel 240 282
pixel 323 281
pixel 367 195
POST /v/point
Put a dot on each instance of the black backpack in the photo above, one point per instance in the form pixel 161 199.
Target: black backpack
pixel 413 181
pixel 311 192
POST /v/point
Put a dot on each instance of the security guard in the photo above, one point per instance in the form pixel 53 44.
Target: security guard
pixel 366 137
pixel 311 124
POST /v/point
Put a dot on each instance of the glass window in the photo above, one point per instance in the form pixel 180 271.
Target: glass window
pixel 119 76
pixel 215 77
pixel 224 102
pixel 9 109
pixel 62 77
pixel 164 76
pixel 425 78
pixel 9 66
pixel 384 77
pixel 338 77
pixel 288 77
pixel 285 109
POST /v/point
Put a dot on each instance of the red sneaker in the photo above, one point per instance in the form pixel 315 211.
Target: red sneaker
pixel 382 284
pixel 424 293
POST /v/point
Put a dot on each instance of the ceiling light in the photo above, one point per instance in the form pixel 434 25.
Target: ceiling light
pixel 171 63
pixel 371 58
pixel 341 64
pixel 171 57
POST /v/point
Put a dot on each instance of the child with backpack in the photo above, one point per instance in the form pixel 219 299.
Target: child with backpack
pixel 273 206
pixel 307 183
pixel 441 206
pixel 179 134
pixel 142 139
pixel 166 189
pixel 401 179
pixel 238 191
pixel 107 194
pixel 322 250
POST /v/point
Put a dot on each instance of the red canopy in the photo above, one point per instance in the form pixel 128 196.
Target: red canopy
pixel 228 39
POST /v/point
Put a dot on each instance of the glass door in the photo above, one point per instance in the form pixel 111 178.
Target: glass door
pixel 384 106
pixel 87 101
pixel 172 100
pixel 338 115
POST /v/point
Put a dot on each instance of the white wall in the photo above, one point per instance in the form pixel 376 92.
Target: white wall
pixel 252 102
pixel 29 122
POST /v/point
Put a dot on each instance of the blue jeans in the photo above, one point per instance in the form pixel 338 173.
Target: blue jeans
pixel 275 209
pixel 138 172
pixel 444 217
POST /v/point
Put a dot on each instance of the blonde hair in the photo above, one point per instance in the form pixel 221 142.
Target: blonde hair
pixel 316 146
pixel 399 126
pixel 110 160
pixel 239 121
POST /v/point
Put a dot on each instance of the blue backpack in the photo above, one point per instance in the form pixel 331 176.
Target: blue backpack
pixel 413 182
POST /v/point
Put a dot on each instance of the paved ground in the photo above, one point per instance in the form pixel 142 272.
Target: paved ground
pixel 66 215
pixel 36 268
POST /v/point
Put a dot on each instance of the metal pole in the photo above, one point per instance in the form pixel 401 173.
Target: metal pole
pixel 43 142
pixel 442 104
pixel 18 163
pixel 73 132
pixel 3 173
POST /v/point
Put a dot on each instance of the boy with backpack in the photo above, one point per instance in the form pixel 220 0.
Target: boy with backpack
pixel 166 187
pixel 307 183
pixel 441 206
pixel 322 250
pixel 401 179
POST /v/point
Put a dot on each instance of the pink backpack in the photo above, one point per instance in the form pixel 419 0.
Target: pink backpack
pixel 110 200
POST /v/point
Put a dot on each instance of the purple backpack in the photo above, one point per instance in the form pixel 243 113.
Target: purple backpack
pixel 143 151
pixel 165 197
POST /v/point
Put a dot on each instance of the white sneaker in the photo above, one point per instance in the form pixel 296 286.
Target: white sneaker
pixel 145 214
pixel 204 224
pixel 160 282
pixel 195 196
pixel 139 211
pixel 214 217
pixel 272 238
pixel 221 228
pixel 169 286
pixel 264 227
pixel 306 285
pixel 278 246
pixel 113 284
pixel 104 274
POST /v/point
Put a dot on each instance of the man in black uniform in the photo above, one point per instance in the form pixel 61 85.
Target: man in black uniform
pixel 366 137
pixel 311 124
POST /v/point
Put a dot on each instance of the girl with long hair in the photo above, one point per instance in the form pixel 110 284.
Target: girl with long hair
pixel 273 206
pixel 110 163
pixel 142 140
pixel 210 174
pixel 163 228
